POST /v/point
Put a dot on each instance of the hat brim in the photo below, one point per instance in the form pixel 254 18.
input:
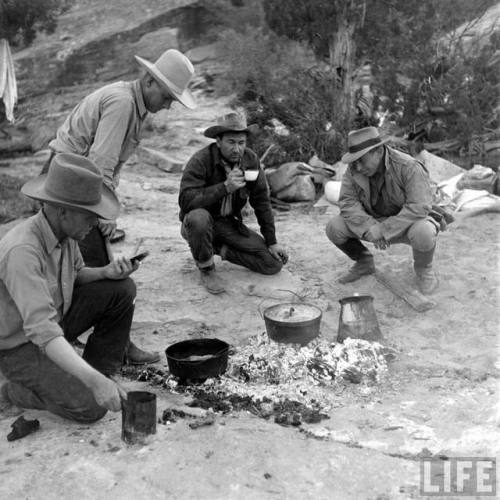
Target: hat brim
pixel 217 130
pixel 107 208
pixel 352 157
pixel 185 98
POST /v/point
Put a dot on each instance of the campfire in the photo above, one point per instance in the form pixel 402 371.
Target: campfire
pixel 292 383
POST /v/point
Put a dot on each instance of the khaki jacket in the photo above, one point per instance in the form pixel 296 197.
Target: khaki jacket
pixel 408 185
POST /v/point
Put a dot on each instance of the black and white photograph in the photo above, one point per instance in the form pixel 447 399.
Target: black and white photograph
pixel 249 249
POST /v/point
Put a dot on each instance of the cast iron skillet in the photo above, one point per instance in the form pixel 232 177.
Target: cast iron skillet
pixel 214 351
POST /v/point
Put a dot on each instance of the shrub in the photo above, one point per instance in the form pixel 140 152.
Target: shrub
pixel 275 78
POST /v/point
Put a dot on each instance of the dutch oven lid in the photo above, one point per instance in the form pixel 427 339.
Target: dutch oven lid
pixel 292 313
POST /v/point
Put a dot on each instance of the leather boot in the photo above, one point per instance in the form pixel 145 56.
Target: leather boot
pixel 427 281
pixel 211 281
pixel 364 264
pixel 136 356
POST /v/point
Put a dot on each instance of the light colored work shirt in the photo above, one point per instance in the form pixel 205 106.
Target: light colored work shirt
pixel 37 274
pixel 104 127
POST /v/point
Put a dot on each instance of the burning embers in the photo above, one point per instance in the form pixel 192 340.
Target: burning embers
pixel 293 384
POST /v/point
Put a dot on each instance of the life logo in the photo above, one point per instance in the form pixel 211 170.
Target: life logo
pixel 458 476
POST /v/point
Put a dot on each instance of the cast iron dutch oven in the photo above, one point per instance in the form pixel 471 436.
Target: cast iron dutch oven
pixel 197 359
pixel 292 323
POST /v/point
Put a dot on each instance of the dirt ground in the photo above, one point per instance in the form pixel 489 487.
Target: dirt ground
pixel 440 398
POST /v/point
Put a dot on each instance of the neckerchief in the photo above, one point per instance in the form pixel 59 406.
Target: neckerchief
pixel 226 207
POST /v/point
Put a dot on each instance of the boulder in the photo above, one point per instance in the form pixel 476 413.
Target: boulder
pixel 159 159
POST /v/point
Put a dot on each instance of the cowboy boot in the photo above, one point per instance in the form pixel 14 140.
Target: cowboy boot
pixel 211 281
pixel 136 356
pixel 427 281
pixel 364 264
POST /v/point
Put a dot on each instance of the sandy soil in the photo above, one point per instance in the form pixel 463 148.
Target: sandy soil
pixel 439 398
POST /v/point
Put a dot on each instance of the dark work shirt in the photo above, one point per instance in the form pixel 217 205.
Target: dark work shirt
pixel 202 186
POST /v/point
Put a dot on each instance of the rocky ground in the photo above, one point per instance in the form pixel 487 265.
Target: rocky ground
pixel 440 397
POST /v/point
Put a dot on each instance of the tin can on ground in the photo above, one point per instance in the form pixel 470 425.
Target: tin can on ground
pixel 138 416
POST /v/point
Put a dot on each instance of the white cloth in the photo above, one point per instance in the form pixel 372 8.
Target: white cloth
pixel 8 85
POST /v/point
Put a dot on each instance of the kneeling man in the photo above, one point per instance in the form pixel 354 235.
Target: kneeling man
pixel 48 298
pixel 216 184
pixel 385 198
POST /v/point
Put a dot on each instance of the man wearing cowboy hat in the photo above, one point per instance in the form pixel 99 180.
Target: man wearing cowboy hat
pixel 385 198
pixel 48 298
pixel 106 126
pixel 215 186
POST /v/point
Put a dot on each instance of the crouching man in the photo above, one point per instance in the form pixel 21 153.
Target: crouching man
pixel 48 298
pixel 215 186
pixel 385 198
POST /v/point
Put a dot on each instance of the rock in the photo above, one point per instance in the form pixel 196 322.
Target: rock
pixel 159 159
pixel 203 53
pixel 151 45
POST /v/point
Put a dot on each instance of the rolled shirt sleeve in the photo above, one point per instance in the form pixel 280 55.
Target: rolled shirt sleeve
pixel 30 293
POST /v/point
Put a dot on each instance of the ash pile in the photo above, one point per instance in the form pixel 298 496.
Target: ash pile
pixel 291 383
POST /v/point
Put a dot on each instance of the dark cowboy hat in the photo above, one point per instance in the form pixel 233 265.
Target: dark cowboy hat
pixel 74 181
pixel 173 71
pixel 232 122
pixel 359 142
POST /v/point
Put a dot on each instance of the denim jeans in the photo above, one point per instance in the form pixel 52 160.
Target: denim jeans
pixel 35 381
pixel 204 232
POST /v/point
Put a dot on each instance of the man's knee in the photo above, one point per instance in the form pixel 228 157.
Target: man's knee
pixel 127 288
pixel 336 230
pixel 271 266
pixel 197 220
pixel 84 410
pixel 88 415
pixel 423 235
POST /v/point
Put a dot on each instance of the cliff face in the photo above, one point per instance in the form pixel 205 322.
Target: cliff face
pixel 96 41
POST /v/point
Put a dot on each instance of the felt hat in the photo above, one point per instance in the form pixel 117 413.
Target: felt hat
pixel 232 122
pixel 173 71
pixel 74 181
pixel 359 142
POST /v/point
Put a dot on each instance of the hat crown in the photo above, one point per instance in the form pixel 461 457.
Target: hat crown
pixel 233 121
pixel 74 179
pixel 361 137
pixel 176 68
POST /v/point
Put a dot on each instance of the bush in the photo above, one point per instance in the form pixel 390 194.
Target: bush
pixel 21 19
pixel 278 79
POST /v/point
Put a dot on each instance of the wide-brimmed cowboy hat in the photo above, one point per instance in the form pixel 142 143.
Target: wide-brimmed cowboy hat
pixel 173 71
pixel 75 182
pixel 232 122
pixel 359 142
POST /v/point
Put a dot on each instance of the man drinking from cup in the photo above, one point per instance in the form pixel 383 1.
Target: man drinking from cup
pixel 215 186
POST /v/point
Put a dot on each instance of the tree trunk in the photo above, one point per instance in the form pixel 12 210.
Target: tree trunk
pixel 342 50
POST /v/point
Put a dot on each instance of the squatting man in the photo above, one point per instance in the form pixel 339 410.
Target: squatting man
pixel 48 297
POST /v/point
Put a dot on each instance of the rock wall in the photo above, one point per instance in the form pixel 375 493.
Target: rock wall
pixel 109 57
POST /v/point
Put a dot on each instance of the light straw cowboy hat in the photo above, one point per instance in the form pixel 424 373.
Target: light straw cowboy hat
pixel 232 122
pixel 74 181
pixel 359 142
pixel 172 70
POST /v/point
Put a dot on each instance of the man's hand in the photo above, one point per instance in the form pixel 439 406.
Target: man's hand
pixel 235 180
pixel 107 393
pixel 120 268
pixel 107 227
pixel 279 253
pixel 374 235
